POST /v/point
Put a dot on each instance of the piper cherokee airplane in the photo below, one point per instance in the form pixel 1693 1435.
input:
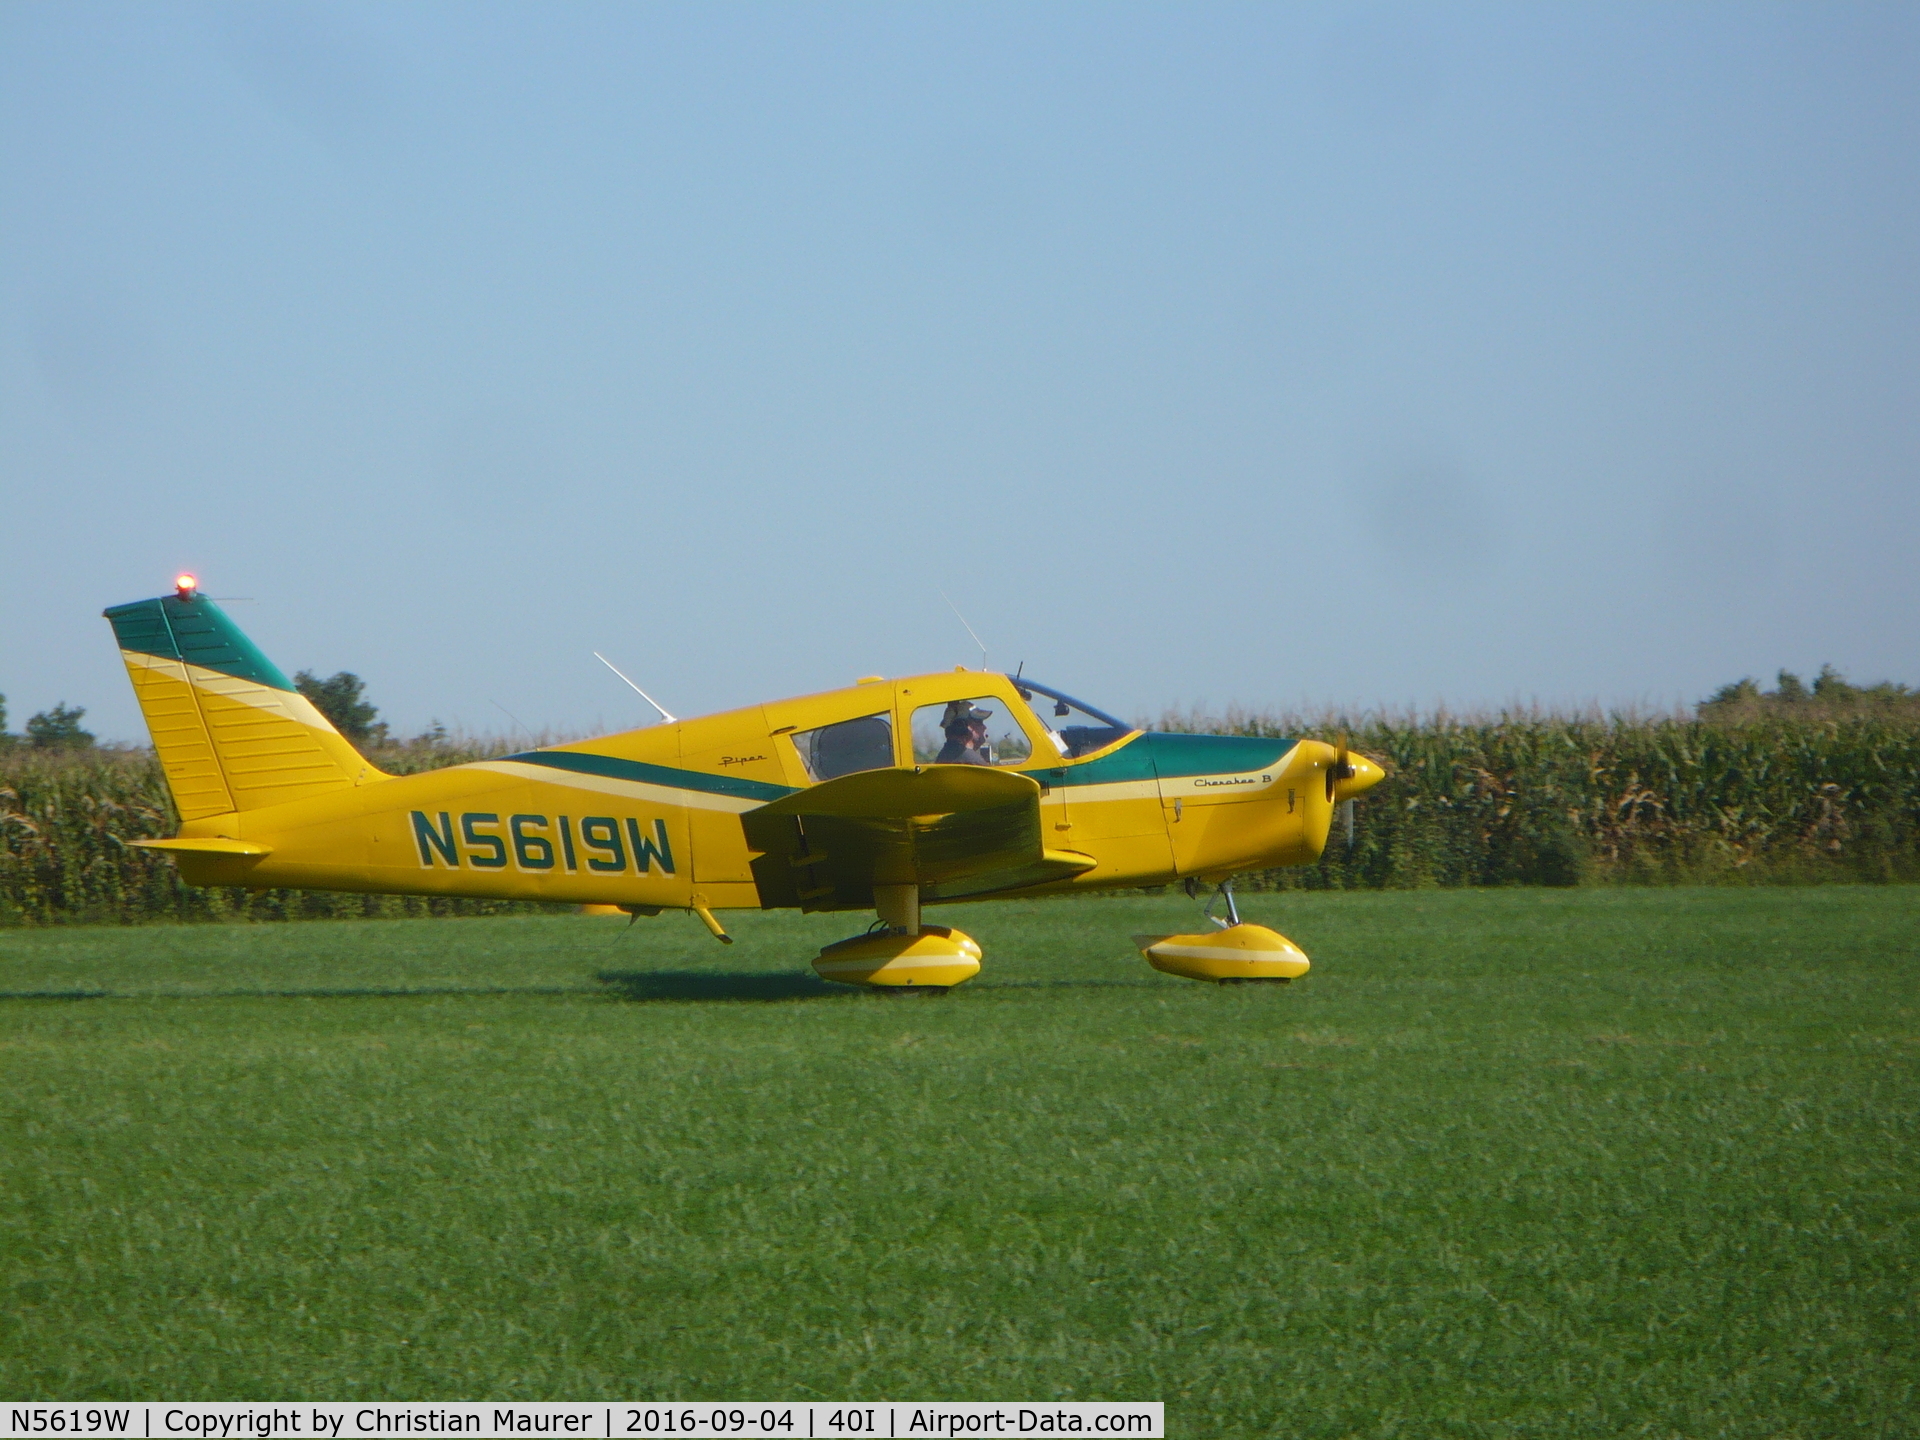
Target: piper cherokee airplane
pixel 889 796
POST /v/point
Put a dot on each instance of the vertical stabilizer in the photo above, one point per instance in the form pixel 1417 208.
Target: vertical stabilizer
pixel 231 731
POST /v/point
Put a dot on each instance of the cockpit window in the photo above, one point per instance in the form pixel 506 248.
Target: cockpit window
pixel 970 732
pixel 1075 728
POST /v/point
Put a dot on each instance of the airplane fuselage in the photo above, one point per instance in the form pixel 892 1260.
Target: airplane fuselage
pixel 653 817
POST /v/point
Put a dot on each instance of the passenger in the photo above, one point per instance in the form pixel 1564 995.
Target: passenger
pixel 965 725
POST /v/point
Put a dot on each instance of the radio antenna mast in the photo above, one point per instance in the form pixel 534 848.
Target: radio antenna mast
pixel 635 688
pixel 963 620
pixel 532 738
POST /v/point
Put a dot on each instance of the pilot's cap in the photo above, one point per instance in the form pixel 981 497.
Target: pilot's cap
pixel 963 712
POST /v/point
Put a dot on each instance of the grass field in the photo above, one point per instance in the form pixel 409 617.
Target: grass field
pixel 1521 1162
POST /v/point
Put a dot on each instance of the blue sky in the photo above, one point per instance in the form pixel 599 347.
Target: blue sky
pixel 1354 355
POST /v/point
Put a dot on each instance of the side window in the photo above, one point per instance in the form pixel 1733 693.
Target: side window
pixel 835 750
pixel 980 731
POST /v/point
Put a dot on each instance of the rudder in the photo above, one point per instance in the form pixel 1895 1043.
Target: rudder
pixel 231 731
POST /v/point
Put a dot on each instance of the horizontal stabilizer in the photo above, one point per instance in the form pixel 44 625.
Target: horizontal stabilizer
pixel 206 845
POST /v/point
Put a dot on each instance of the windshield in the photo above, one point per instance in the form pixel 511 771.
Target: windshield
pixel 1075 728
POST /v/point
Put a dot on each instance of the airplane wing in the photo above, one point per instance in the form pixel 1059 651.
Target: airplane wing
pixel 953 830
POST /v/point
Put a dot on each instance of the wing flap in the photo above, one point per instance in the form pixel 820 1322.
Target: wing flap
pixel 1050 866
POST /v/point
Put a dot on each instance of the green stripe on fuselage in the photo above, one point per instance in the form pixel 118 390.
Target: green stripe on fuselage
pixel 1143 757
pixel 582 763
pixel 1179 756
pixel 1154 755
pixel 1129 760
pixel 196 631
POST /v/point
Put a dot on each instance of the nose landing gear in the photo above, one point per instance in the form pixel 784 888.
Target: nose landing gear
pixel 1222 891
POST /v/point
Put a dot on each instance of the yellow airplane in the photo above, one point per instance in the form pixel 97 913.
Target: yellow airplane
pixel 890 796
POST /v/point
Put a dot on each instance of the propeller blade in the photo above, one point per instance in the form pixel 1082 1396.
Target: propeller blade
pixel 1341 769
pixel 1346 807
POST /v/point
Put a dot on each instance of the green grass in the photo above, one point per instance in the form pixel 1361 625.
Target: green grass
pixel 1592 1162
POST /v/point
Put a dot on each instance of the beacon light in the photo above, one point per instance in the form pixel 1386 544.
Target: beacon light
pixel 184 586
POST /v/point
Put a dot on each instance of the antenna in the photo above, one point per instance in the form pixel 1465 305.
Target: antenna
pixel 516 720
pixel 963 620
pixel 635 688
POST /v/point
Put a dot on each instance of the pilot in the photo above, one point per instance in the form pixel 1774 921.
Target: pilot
pixel 965 725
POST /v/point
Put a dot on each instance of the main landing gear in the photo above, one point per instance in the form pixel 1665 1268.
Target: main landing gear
pixel 900 953
pixel 1232 953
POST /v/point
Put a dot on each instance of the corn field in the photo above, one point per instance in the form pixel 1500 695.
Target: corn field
pixel 1520 799
pixel 1552 800
pixel 66 818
